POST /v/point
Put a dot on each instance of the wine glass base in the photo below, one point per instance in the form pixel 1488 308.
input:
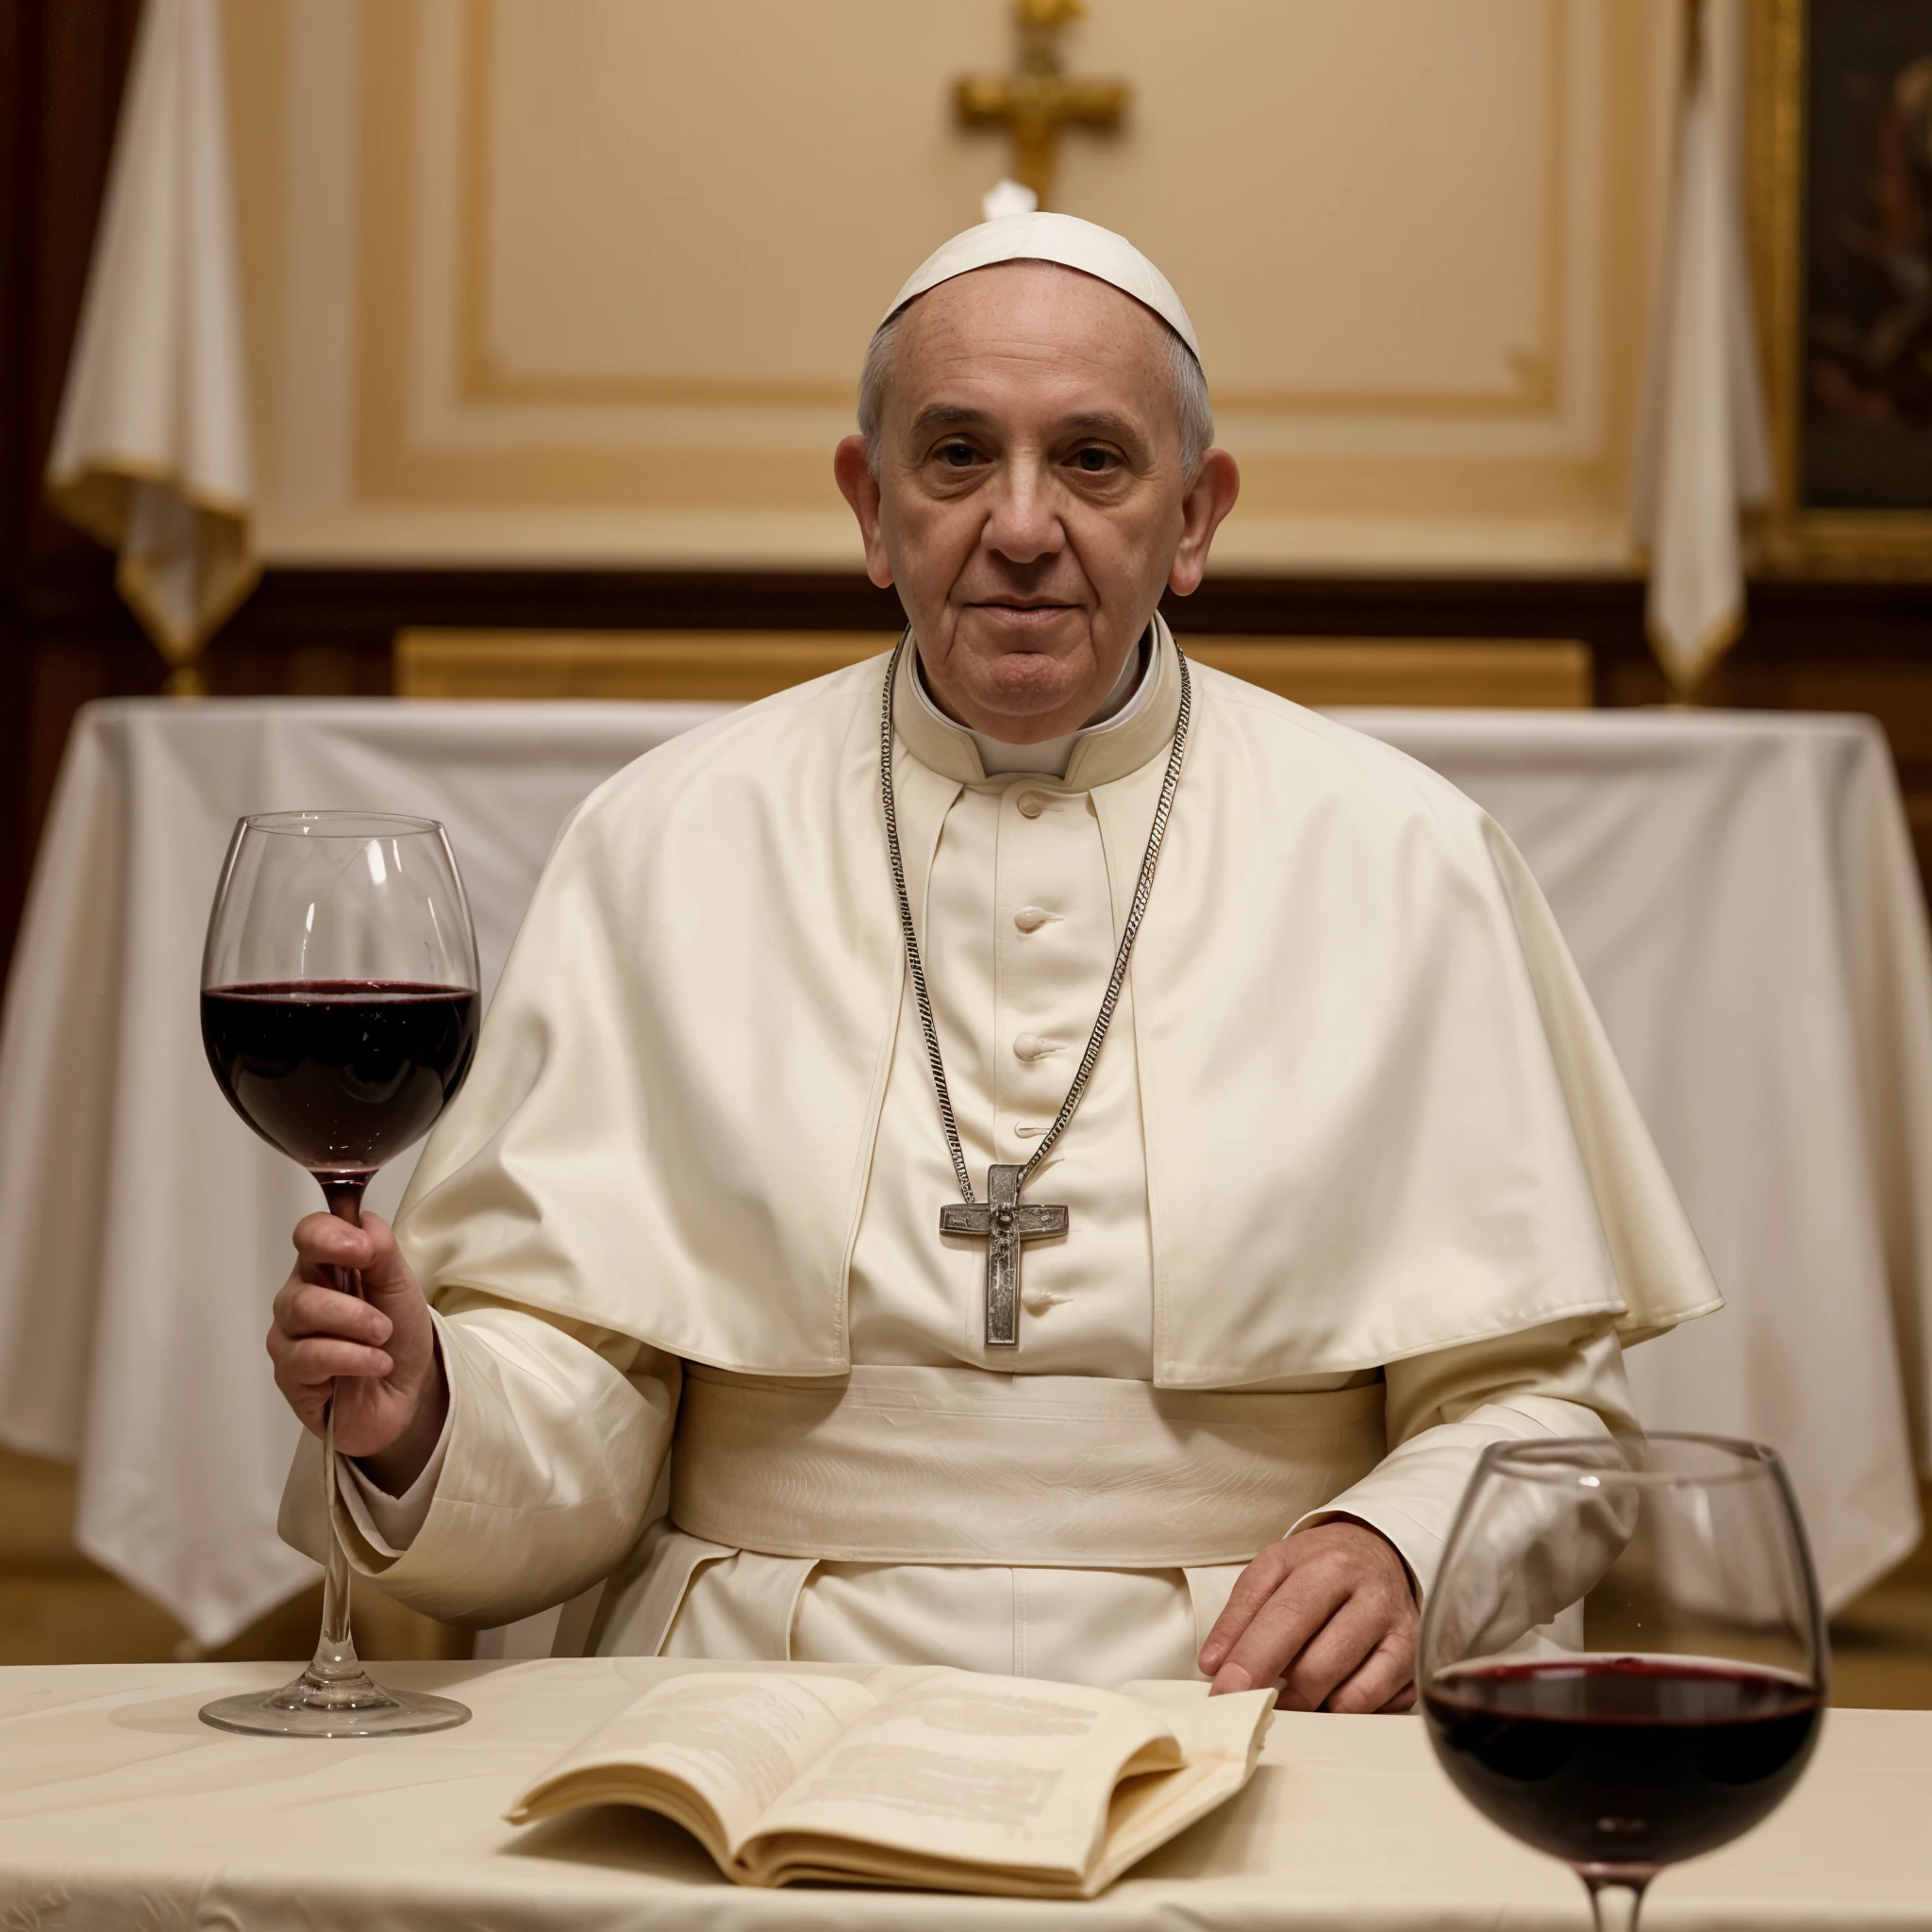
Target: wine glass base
pixel 350 1706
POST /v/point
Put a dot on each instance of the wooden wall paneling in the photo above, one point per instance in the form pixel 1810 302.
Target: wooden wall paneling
pixel 61 71
pixel 19 66
pixel 19 178
pixel 738 666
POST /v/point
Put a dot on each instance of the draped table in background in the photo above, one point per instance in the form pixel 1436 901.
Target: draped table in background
pixel 1738 889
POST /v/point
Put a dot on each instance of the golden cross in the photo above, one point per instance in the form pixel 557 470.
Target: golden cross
pixel 1034 103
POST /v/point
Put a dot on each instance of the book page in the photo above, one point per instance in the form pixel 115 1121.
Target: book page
pixel 971 1772
pixel 1223 1739
pixel 734 1739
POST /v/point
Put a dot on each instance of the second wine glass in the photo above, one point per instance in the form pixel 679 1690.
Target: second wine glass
pixel 339 1007
pixel 1623 1661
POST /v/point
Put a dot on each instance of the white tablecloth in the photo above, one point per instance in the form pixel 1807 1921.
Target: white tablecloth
pixel 1737 889
pixel 119 1808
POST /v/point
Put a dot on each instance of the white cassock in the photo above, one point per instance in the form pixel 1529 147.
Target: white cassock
pixel 1357 1188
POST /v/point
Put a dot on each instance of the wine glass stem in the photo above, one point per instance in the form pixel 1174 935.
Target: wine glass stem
pixel 1615 1902
pixel 335 1650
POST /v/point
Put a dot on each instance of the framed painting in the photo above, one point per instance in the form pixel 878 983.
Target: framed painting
pixel 1841 140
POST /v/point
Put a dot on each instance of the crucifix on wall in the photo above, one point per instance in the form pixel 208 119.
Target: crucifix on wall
pixel 1035 103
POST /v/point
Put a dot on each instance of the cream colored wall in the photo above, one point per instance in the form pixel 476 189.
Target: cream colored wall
pixel 591 279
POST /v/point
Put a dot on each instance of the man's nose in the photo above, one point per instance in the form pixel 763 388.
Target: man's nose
pixel 1024 524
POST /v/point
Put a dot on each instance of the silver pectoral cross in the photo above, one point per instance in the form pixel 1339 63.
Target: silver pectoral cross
pixel 1002 1222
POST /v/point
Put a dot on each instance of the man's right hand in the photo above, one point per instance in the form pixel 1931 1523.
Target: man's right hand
pixel 377 1353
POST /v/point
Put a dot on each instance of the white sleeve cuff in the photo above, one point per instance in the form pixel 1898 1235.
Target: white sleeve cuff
pixel 391 1523
pixel 1411 1496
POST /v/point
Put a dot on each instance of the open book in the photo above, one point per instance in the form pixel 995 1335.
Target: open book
pixel 916 1777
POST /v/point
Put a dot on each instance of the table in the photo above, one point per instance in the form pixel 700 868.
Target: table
pixel 117 1806
pixel 1737 889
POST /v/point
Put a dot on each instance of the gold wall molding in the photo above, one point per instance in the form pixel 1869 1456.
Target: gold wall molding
pixel 393 464
pixel 736 667
pixel 463 431
pixel 717 667
pixel 483 376
pixel 1537 371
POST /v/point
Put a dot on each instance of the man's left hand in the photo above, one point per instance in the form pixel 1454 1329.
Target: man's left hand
pixel 1328 1610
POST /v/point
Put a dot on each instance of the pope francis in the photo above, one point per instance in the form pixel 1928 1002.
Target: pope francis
pixel 1026 1153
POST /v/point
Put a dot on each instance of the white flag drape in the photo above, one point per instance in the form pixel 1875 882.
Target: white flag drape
pixel 151 453
pixel 1704 451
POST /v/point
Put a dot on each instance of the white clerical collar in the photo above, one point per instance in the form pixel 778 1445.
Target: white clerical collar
pixel 1052 756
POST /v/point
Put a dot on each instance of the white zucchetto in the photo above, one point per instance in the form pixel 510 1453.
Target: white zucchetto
pixel 1064 238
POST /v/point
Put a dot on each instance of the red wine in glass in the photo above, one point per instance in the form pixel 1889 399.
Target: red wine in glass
pixel 1622 1659
pixel 339 1010
pixel 340 1075
pixel 1647 1759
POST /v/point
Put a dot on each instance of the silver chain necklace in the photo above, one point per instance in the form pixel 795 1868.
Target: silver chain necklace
pixel 1001 1220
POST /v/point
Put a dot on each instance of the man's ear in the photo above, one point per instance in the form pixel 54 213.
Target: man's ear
pixel 860 489
pixel 1212 496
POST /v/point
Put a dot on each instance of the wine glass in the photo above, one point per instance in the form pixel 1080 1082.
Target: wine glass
pixel 1623 1661
pixel 340 1010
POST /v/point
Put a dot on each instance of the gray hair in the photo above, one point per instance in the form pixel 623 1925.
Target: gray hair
pixel 1193 407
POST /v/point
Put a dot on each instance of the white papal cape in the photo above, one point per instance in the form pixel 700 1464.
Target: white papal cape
pixel 1358 1188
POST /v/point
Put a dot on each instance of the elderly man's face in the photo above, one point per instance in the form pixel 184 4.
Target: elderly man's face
pixel 1030 502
